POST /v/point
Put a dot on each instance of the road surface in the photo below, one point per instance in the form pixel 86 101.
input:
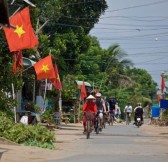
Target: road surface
pixel 118 143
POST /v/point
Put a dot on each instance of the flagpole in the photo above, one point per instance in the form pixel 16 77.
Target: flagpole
pixel 60 102
pixel 13 94
pixel 44 98
pixel 27 68
pixel 12 16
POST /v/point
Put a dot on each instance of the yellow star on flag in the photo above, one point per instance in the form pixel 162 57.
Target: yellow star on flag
pixel 45 68
pixel 19 30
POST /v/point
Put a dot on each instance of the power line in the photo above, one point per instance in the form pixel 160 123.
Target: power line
pixel 137 6
pixel 139 25
pixel 148 47
pixel 158 52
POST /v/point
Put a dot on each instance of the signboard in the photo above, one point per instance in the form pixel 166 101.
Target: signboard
pixel 163 103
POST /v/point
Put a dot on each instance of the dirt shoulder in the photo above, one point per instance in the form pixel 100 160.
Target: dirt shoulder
pixel 66 139
pixel 155 130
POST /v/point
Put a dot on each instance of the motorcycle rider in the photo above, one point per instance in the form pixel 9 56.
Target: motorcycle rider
pixel 138 111
pixel 101 108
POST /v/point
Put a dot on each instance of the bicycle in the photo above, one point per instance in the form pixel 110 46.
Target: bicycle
pixel 97 124
pixel 105 119
pixel 128 118
pixel 89 116
pixel 111 119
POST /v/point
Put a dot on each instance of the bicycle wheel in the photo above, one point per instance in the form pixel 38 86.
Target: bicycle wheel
pixel 111 120
pixel 104 123
pixel 127 119
pixel 88 128
pixel 97 125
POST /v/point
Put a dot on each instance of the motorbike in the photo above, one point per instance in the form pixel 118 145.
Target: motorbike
pixel 138 122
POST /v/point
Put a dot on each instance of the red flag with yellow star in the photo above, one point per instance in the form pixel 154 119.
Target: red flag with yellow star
pixel 23 36
pixel 56 82
pixel 44 68
pixel 83 93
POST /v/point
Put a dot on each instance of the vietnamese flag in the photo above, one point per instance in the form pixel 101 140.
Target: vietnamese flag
pixel 18 64
pixel 23 36
pixel 56 81
pixel 44 68
pixel 83 93
pixel 162 83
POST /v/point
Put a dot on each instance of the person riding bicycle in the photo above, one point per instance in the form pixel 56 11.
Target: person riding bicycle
pixel 128 110
pixel 112 106
pixel 117 111
pixel 101 108
pixel 89 106
pixel 107 109
pixel 138 111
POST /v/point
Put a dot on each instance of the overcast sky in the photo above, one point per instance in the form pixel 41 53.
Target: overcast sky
pixel 140 27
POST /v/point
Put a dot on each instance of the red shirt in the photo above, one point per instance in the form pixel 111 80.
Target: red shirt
pixel 90 107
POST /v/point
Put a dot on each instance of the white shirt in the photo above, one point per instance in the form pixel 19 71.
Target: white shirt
pixel 128 108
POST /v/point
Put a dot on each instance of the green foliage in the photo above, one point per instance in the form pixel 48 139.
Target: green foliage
pixel 71 118
pixel 34 135
pixel 49 115
pixel 69 88
pixel 165 115
pixel 5 122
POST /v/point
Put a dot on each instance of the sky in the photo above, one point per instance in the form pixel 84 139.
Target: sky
pixel 140 27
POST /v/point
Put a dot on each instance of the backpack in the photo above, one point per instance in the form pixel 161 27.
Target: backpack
pixel 99 104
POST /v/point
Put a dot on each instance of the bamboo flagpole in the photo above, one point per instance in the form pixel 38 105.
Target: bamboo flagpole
pixel 13 95
pixel 44 98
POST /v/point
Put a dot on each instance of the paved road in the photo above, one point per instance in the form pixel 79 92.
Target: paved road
pixel 118 143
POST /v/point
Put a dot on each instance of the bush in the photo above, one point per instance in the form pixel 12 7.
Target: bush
pixel 49 115
pixel 165 115
pixel 5 122
pixel 32 135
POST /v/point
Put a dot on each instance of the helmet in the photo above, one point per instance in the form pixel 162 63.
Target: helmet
pixel 98 94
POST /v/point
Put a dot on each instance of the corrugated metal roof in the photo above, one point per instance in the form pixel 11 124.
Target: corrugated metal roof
pixel 81 82
pixel 28 62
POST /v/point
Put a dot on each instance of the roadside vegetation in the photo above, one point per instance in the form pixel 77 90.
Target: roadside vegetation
pixel 32 135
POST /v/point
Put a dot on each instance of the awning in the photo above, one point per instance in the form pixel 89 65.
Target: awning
pixel 79 83
pixel 27 62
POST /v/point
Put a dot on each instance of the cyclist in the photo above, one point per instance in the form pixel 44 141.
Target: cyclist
pixel 128 111
pixel 101 108
pixel 106 115
pixel 138 111
pixel 117 111
pixel 112 106
pixel 89 106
